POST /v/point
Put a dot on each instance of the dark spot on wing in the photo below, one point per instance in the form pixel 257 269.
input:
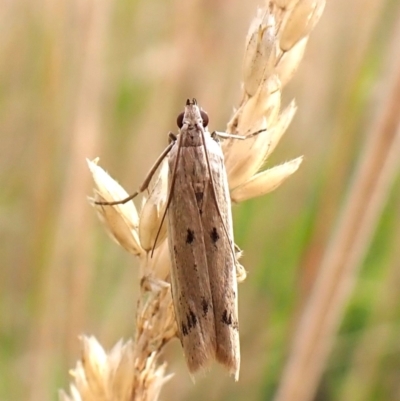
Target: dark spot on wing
pixel 184 330
pixel 227 318
pixel 191 319
pixel 199 196
pixel 189 236
pixel 214 235
pixel 194 318
pixel 205 306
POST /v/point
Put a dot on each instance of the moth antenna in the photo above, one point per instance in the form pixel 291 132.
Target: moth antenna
pixel 145 183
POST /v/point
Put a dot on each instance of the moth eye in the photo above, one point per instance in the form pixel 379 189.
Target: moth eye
pixel 204 116
pixel 179 120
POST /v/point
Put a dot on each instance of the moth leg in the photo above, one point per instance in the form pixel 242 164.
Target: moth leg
pixel 147 180
pixel 238 251
pixel 241 272
pixel 216 134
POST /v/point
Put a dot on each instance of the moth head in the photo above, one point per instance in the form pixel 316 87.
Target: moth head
pixel 192 114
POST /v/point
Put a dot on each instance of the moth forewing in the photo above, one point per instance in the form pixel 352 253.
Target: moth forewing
pixel 191 291
pixel 203 274
pixel 218 228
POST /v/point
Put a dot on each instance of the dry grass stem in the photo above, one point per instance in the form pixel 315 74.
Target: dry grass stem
pixel 375 344
pixel 274 48
pixel 378 166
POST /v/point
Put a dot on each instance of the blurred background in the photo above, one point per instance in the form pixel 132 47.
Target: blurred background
pixel 81 79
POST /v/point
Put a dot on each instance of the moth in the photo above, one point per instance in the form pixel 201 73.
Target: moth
pixel 201 245
pixel 200 235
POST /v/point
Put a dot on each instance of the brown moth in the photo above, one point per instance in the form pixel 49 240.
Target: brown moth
pixel 200 234
pixel 201 245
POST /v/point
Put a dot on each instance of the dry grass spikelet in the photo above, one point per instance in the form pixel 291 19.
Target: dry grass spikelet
pixel 274 47
pixel 130 371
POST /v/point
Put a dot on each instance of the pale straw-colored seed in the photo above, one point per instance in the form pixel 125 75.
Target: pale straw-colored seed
pixel 121 364
pixel 241 168
pixel 92 372
pixel 260 52
pixel 117 227
pixel 266 181
pixel 159 264
pixel 73 396
pixel 288 63
pixel 300 21
pixel 153 210
pixel 286 4
pixel 120 221
pixel 83 385
pixel 265 104
pixel 244 158
pixel 281 125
